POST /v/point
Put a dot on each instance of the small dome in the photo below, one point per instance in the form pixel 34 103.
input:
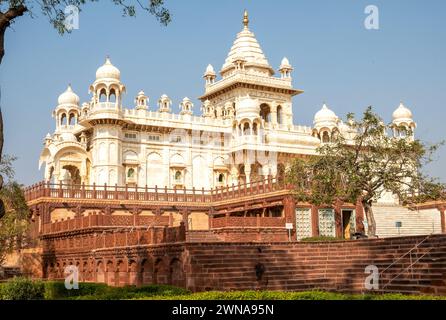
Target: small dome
pixel 68 97
pixel 108 71
pixel 285 64
pixel 141 93
pixel 210 71
pixel 186 99
pixel 164 96
pixel 402 113
pixel 325 114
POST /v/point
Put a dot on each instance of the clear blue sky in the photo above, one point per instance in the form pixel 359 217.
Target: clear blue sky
pixel 335 60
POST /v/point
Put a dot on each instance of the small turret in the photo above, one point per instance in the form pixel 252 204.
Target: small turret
pixel 403 122
pixel 141 101
pixel 210 75
pixel 186 106
pixel 285 68
pixel 67 111
pixel 208 109
pixel 164 103
pixel 325 124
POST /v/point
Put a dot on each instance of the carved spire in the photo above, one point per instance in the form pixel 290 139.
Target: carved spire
pixel 246 19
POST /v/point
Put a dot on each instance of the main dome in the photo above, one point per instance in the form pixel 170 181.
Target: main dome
pixel 247 48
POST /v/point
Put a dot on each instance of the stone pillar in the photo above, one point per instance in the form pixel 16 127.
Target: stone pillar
pixel 234 175
pixel 315 220
pixel 248 172
pixel 338 219
pixel 185 214
pixel 274 170
pixel 274 114
pixel 265 172
pixel 443 219
pixel 289 208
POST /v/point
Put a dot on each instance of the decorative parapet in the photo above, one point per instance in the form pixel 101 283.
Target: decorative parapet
pixel 48 191
pixel 112 238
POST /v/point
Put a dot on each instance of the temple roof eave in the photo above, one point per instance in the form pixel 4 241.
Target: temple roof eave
pixel 213 93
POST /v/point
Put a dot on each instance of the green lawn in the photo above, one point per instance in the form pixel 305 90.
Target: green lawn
pixel 25 289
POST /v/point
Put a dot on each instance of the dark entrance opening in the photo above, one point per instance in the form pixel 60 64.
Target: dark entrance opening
pixel 348 227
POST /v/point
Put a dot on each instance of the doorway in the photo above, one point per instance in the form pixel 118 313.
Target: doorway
pixel 348 223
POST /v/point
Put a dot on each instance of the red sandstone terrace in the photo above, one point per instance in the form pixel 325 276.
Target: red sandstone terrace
pixel 233 238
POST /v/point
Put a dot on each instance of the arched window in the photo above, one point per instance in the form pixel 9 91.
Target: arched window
pixel 221 178
pixel 103 95
pixel 325 137
pixel 63 118
pixel 265 112
pixel 72 119
pixel 112 97
pixel 279 115
pixel 131 173
pixel 254 129
pixel 50 177
pixel 178 176
pixel 246 129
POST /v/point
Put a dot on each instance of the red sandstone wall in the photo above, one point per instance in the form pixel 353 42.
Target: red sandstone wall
pixel 338 266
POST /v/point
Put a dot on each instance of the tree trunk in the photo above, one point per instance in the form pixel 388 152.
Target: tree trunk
pixel 3 27
pixel 370 219
pixel 5 22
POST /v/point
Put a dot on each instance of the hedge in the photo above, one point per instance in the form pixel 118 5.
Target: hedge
pixel 278 295
pixel 26 289
pixel 22 289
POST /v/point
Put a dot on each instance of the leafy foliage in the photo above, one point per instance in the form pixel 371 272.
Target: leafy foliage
pixel 53 290
pixel 282 295
pixel 54 10
pixel 362 163
pixel 14 223
pixel 22 289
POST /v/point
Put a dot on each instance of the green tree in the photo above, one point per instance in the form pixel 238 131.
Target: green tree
pixel 54 10
pixel 14 221
pixel 362 163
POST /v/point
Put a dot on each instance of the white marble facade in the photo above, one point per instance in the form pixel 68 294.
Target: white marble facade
pixel 245 131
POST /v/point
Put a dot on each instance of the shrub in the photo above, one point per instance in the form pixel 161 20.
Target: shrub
pixel 279 295
pixel 132 292
pixel 22 289
pixel 56 290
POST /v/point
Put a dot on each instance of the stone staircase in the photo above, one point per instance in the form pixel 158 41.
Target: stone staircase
pixel 407 265
pixel 413 222
pixel 202 236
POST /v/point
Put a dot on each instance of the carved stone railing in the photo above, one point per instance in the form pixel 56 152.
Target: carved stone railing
pixel 152 194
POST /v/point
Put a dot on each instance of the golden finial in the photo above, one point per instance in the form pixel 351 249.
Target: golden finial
pixel 246 19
